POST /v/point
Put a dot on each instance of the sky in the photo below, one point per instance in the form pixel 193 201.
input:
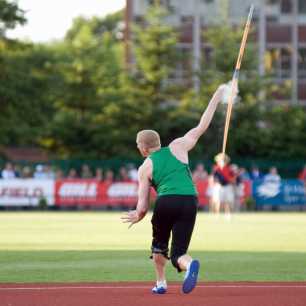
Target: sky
pixel 50 19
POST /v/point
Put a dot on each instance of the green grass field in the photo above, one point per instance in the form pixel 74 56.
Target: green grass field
pixel 96 246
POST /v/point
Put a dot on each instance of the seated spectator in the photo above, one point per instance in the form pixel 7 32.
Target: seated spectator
pixel 272 176
pixel 59 174
pixel 17 170
pixel 255 173
pixel 302 174
pixel 86 172
pixel 8 171
pixel 43 172
pixel 243 174
pixel 49 172
pixel 40 172
pixel 99 174
pixel 72 174
pixel 132 172
pixel 123 175
pixel 199 173
pixel 109 176
pixel 26 172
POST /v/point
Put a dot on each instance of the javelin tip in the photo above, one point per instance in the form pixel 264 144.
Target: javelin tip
pixel 251 10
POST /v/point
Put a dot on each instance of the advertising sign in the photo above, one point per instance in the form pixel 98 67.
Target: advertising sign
pixel 26 192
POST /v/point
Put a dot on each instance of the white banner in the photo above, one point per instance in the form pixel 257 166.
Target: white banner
pixel 26 192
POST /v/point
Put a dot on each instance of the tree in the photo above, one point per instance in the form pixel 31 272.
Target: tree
pixel 24 92
pixel 111 24
pixel 10 16
pixel 150 88
pixel 90 69
pixel 286 133
pixel 246 136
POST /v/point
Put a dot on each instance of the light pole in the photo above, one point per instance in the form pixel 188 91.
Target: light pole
pixel 196 42
pixel 295 50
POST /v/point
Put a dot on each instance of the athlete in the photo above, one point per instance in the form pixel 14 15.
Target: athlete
pixel 167 170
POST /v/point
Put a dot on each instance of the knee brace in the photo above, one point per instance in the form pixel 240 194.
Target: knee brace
pixel 159 248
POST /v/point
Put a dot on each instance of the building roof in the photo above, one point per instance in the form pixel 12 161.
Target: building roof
pixel 24 154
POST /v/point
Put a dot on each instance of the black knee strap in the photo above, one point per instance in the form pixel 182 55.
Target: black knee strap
pixel 156 250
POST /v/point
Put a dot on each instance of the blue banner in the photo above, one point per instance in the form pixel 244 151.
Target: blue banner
pixel 282 192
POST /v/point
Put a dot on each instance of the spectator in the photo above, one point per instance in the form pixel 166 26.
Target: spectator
pixel 132 172
pixel 209 191
pixel 243 174
pixel 17 171
pixel 26 172
pixel 39 172
pixel 223 191
pixel 123 175
pixel 72 174
pixel 59 174
pixel 43 172
pixel 255 173
pixel 8 171
pixel 240 176
pixel 86 172
pixel 199 173
pixel 272 176
pixel 109 176
pixel 302 174
pixel 49 173
pixel 99 174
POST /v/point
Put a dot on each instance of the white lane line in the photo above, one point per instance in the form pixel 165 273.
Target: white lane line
pixel 146 287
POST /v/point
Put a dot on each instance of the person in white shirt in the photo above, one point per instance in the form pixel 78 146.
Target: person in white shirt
pixel 272 176
pixel 8 172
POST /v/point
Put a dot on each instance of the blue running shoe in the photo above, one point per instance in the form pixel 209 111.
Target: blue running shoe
pixel 191 276
pixel 159 290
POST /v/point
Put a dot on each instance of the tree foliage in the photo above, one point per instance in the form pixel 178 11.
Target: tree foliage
pixel 251 133
pixel 24 92
pixel 90 70
pixel 147 94
pixel 76 99
pixel 10 16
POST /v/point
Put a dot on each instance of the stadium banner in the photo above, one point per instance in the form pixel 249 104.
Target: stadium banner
pixel 87 192
pixel 84 192
pixel 284 192
pixel 26 192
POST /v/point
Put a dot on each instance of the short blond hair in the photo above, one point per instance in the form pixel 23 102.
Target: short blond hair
pixel 222 156
pixel 148 138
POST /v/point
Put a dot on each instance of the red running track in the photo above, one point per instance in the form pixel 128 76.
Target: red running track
pixel 139 294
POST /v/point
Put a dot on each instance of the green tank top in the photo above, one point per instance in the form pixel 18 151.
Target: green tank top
pixel 171 176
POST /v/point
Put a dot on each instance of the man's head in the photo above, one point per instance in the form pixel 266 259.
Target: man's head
pixel 147 142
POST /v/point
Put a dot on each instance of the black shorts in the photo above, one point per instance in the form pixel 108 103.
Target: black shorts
pixel 174 214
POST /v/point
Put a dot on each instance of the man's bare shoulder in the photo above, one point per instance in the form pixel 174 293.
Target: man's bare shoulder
pixel 178 149
pixel 145 170
pixel 176 142
pixel 178 145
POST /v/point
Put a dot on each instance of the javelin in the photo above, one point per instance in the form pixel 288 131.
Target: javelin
pixel 236 77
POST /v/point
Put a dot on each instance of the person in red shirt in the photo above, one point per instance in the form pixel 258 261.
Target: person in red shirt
pixel 302 177
pixel 223 191
pixel 302 174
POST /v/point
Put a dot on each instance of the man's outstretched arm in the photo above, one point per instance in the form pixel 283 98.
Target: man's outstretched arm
pixel 189 140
